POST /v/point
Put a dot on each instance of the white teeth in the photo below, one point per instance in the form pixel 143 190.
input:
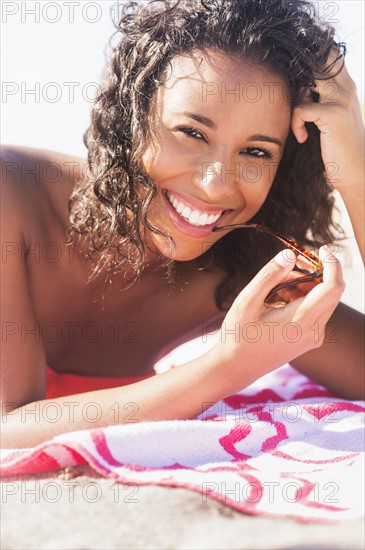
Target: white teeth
pixel 203 220
pixel 186 212
pixel 213 218
pixel 192 216
pixel 179 207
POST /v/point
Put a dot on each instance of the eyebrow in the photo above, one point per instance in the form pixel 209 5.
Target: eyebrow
pixel 199 118
pixel 210 124
pixel 261 137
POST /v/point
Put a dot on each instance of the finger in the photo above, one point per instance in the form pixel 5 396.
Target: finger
pixel 298 128
pixel 301 114
pixel 270 275
pixel 309 112
pixel 332 271
pixel 324 297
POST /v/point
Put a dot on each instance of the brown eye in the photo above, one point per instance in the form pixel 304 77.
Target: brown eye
pixel 258 152
pixel 191 132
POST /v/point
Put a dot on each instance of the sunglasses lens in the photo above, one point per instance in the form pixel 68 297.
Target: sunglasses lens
pixel 305 275
pixel 305 266
pixel 287 294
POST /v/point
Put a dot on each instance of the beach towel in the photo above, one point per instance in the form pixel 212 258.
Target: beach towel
pixel 284 446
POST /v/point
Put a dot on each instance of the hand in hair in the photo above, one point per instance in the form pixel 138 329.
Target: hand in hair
pixel 334 108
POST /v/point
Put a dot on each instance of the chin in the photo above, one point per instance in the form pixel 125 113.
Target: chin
pixel 181 252
pixel 186 256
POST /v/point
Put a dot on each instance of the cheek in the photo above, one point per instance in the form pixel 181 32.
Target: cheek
pixel 156 163
pixel 147 160
pixel 255 173
pixel 257 179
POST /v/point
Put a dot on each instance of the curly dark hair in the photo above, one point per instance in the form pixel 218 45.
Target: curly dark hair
pixel 288 37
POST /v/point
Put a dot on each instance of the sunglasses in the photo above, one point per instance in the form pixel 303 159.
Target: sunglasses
pixel 306 273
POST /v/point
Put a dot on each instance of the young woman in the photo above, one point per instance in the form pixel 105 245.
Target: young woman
pixel 211 113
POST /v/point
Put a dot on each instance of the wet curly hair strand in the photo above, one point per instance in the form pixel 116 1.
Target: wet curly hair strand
pixel 286 36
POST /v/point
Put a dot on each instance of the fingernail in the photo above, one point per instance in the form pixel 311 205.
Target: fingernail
pixel 285 258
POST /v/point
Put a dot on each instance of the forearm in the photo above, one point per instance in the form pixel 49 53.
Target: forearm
pixel 354 199
pixel 339 363
pixel 186 391
pixel 180 393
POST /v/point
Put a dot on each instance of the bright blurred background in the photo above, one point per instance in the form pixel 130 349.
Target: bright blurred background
pixel 52 55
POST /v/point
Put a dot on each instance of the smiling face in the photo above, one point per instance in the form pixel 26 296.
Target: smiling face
pixel 219 128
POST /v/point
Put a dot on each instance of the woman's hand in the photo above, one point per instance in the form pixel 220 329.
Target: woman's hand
pixel 255 339
pixel 338 118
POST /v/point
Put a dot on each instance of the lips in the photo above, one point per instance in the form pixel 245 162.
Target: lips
pixel 183 225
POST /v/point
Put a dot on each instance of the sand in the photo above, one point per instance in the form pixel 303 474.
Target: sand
pixel 50 512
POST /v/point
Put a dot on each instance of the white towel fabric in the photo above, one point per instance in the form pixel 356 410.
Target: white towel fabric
pixel 283 446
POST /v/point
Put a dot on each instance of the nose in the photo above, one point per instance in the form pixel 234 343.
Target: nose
pixel 217 179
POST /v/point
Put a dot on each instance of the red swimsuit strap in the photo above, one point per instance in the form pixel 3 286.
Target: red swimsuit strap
pixel 62 384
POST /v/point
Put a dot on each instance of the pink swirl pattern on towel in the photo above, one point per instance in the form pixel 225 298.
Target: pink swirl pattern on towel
pixel 282 447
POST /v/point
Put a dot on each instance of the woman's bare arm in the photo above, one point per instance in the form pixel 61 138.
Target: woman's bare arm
pixel 338 118
pixel 185 391
pixel 181 393
pixel 339 363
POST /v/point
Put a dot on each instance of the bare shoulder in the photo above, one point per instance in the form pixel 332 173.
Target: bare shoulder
pixel 28 155
pixel 26 167
pixel 22 163
pixel 35 182
pixel 35 186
